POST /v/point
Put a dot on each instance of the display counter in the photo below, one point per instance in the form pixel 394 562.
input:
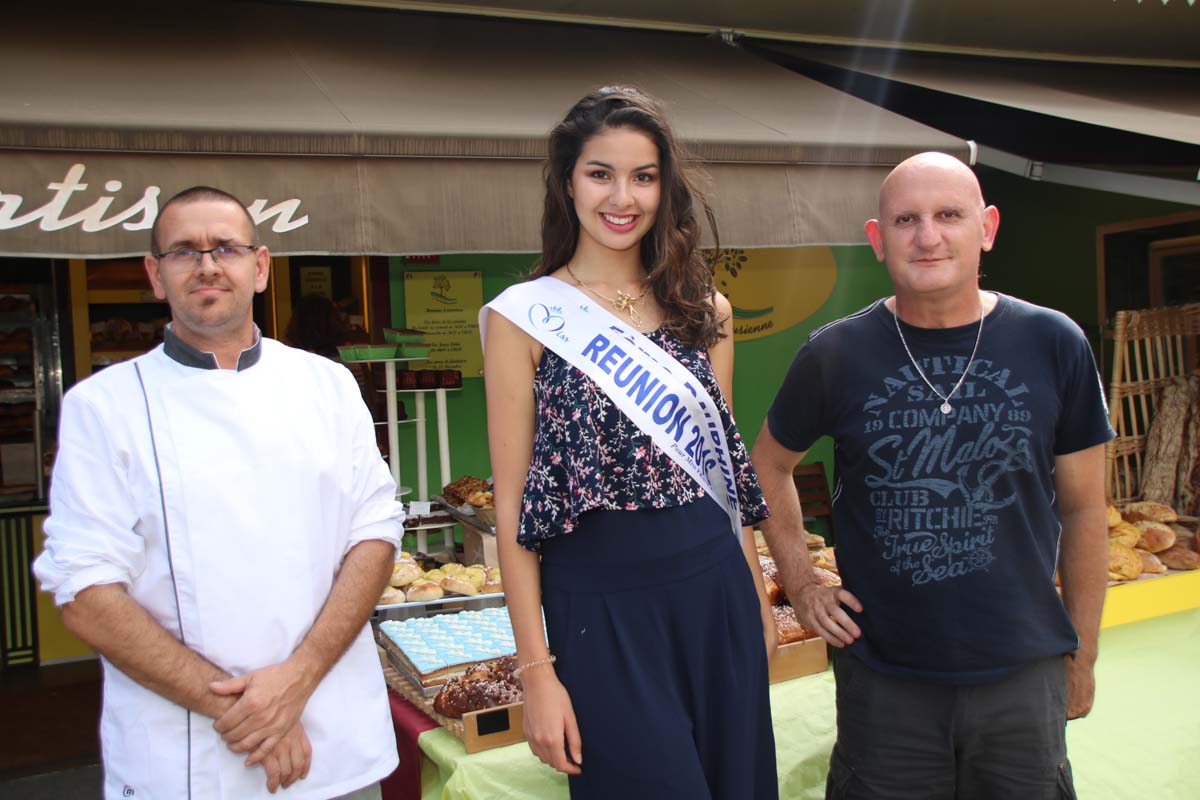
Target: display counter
pixel 1139 742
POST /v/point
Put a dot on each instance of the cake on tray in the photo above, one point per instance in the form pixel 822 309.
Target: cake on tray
pixel 433 649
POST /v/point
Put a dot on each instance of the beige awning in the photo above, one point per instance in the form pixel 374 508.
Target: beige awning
pixel 384 133
pixel 1159 102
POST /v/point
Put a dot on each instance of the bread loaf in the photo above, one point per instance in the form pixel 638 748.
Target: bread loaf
pixel 1180 557
pixel 424 590
pixel 392 596
pixel 1114 516
pixel 1187 481
pixel 485 685
pixel 404 572
pixel 460 696
pixel 475 575
pixel 1126 533
pixel 1146 510
pixel 1151 564
pixel 459 585
pixel 1123 563
pixel 1164 445
pixel 1156 536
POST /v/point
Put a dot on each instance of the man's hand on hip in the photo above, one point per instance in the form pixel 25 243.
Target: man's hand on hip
pixel 820 609
pixel 272 699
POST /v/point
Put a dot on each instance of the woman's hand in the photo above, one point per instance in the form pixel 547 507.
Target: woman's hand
pixel 550 725
pixel 770 631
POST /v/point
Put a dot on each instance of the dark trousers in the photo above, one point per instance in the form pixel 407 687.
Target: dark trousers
pixel 905 739
pixel 655 622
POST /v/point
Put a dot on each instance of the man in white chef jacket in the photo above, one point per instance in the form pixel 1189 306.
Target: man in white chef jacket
pixel 221 525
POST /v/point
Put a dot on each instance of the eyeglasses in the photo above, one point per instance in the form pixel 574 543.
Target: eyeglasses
pixel 224 254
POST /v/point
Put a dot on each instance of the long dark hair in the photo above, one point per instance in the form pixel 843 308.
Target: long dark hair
pixel 677 270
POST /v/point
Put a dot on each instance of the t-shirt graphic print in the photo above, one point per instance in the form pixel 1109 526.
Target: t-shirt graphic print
pixel 946 524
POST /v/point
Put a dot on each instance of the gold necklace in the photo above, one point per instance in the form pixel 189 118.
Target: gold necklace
pixel 623 301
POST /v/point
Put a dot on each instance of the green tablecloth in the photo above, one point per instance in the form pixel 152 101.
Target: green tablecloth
pixel 1141 741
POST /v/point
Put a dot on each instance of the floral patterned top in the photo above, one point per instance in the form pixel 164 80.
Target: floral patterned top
pixel 588 455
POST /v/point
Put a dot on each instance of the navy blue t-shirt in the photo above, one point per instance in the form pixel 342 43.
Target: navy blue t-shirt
pixel 947 526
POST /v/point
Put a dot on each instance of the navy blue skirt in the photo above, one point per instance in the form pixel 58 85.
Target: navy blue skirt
pixel 655 622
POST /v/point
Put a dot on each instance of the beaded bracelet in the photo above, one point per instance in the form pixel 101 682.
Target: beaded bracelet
pixel 535 663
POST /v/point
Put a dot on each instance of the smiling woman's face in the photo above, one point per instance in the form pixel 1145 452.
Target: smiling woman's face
pixel 615 187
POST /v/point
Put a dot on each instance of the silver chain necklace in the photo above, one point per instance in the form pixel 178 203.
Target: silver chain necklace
pixel 945 406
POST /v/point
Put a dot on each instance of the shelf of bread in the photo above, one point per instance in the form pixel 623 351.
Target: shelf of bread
pixel 415 582
pixel 1154 562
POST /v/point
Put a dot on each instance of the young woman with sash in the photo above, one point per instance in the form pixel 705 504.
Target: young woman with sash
pixel 621 482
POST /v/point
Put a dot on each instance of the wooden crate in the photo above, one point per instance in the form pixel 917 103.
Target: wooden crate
pixel 1150 348
pixel 479 730
pixel 797 659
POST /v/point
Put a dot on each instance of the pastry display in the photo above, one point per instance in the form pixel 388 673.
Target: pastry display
pixel 482 686
pixel 437 583
pixel 435 648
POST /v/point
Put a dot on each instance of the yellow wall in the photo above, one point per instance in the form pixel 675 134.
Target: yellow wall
pixel 55 642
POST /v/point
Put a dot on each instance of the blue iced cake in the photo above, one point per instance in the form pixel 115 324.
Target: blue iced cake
pixel 435 648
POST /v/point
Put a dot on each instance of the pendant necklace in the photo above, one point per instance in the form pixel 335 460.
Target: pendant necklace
pixel 945 406
pixel 623 301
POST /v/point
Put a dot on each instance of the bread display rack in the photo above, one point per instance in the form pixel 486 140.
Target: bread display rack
pixel 1150 347
pixel 421 608
pixel 391 394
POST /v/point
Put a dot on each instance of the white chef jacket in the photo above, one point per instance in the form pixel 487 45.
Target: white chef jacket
pixel 269 475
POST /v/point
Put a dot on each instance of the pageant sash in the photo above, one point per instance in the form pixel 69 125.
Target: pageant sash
pixel 646 383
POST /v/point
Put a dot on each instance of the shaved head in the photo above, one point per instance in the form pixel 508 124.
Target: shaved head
pixel 931 231
pixel 929 169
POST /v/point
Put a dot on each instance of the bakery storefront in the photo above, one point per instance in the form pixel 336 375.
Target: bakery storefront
pixel 389 158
